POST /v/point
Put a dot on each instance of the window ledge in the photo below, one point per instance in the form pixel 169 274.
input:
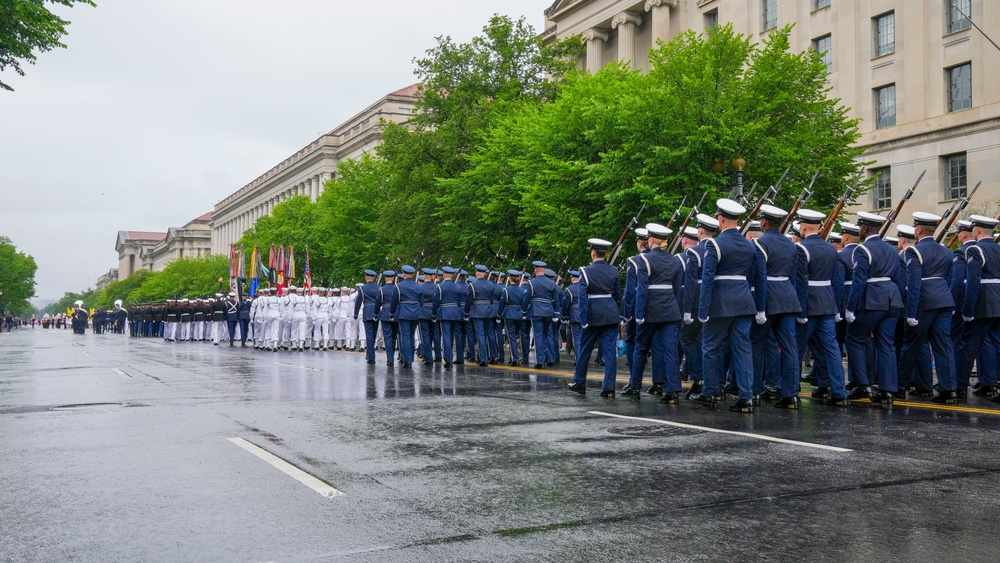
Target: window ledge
pixel 954 33
pixel 889 54
pixel 818 10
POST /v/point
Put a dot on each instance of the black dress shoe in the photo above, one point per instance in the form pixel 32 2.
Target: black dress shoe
pixel 995 399
pixel 741 405
pixel 371 362
pixel 670 399
pixel 949 398
pixel 230 344
pixel 883 397
pixel 860 392
pixel 923 393
pixel 631 392
pixel 703 400
pixel 962 395
pixel 607 394
pixel 770 393
pixel 731 388
pixel 850 386
pixel 810 379
pixel 899 395
pixel 493 362
pixel 407 366
pixel 977 385
pixel 787 403
pixel 483 364
pixel 578 387
pixel 755 401
pixel 550 364
pixel 656 389
pixel 985 391
pixel 695 389
pixel 820 393
pixel 448 364
pixel 428 364
pixel 539 366
pixel 835 401
pixel 389 364
pixel 459 363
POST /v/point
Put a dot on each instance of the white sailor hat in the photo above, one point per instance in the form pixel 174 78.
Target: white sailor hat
pixel 754 226
pixel 185 300
pixel 729 208
pixel 232 294
pixel 218 295
pixel 795 229
pixel 345 288
pixel 850 229
pixel 928 219
pixel 810 217
pixel 834 237
pixel 641 234
pixel 290 287
pixel 964 225
pixel 691 233
pixel 905 231
pixel 78 303
pixel 299 289
pixel 893 241
pixel 658 231
pixel 870 219
pixel 599 243
pixel 983 221
pixel 707 222
pixel 772 212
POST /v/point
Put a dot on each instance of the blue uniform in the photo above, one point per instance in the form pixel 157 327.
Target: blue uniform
pixel 244 319
pixel 408 313
pixel 599 318
pixel 539 303
pixel 232 317
pixel 930 301
pixel 876 301
pixel 430 339
pixel 694 257
pixel 628 306
pixel 468 330
pixel 727 306
pixel 387 315
pixel 982 302
pixel 451 318
pixel 783 305
pixel 958 278
pixel 821 294
pixel 479 308
pixel 496 341
pixel 368 302
pixel 513 318
pixel 571 313
pixel 659 283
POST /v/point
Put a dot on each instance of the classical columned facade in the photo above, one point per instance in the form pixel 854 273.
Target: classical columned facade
pixel 917 75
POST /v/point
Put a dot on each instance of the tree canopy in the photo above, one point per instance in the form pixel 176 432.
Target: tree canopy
pixel 27 27
pixel 17 278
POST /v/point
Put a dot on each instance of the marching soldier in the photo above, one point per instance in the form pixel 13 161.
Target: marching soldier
pixel 451 315
pixel 510 311
pixel 479 308
pixel 408 313
pixel 468 328
pixel 873 306
pixel 232 316
pixel 691 334
pixel 958 278
pixel 539 304
pixel 429 326
pixel 727 307
pixel 571 309
pixel 389 299
pixel 981 308
pixel 368 302
pixel 659 283
pixel 599 318
pixel 218 318
pixel 552 336
pixel 628 299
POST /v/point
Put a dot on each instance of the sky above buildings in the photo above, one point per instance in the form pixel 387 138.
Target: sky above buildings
pixel 158 110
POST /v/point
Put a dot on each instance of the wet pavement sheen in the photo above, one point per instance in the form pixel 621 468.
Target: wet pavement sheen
pixel 118 449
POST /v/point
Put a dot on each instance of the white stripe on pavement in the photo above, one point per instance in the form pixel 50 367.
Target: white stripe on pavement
pixel 288 469
pixel 121 373
pixel 731 432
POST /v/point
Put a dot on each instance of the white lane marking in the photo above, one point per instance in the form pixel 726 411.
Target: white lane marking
pixel 121 373
pixel 288 469
pixel 731 432
pixel 296 366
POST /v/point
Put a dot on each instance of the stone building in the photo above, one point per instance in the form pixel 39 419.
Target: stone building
pixel 916 73
pixel 306 171
pixel 130 245
pixel 152 251
pixel 104 279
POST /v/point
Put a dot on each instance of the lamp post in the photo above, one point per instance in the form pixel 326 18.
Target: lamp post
pixel 738 164
pixel 220 283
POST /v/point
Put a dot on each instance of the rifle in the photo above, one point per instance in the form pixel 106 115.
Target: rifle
pixel 768 194
pixel 832 219
pixel 677 212
pixel 378 279
pixel 687 221
pixel 621 239
pixel 952 214
pixel 562 267
pixel 891 217
pixel 803 197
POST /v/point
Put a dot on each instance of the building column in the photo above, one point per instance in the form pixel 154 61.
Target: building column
pixel 625 23
pixel 660 12
pixel 595 39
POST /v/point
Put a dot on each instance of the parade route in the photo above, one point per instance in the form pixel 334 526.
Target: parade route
pixel 126 449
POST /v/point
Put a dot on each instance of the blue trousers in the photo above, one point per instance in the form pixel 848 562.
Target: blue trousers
pixel 232 330
pixel 371 330
pixel 525 340
pixel 452 339
pixel 484 333
pixel 779 330
pixel 469 330
pixel 933 327
pixel 958 345
pixel 407 332
pixel 691 342
pixel 820 336
pixel 879 328
pixel 540 326
pixel 576 330
pixel 772 362
pixel 630 331
pixel 982 340
pixel 514 337
pixel 714 336
pixel 498 353
pixel 390 330
pixel 659 340
pixel 590 337
pixel 426 338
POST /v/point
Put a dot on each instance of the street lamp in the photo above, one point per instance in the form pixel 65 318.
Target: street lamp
pixel 220 284
pixel 738 164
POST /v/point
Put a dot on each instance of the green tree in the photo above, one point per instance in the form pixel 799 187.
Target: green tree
pixel 185 278
pixel 27 27
pixel 292 223
pixel 122 289
pixel 17 278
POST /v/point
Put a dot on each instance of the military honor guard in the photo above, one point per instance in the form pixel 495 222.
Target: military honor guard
pixel 628 298
pixel 428 319
pixel 367 304
pixel 691 334
pixel 451 315
pixel 539 303
pixel 389 299
pixel 600 317
pixel 510 312
pixel 981 307
pixel 409 310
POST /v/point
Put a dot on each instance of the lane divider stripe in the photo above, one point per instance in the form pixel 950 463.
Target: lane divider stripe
pixel 121 373
pixel 288 469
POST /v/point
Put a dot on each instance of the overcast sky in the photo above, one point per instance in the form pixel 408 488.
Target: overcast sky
pixel 159 109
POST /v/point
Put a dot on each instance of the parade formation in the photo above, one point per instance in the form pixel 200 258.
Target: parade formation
pixel 730 302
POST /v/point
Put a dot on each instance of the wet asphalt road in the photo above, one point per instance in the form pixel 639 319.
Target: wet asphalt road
pixel 467 463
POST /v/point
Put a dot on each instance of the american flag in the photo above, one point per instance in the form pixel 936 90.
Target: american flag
pixel 308 275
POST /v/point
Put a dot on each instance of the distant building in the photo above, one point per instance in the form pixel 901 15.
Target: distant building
pixel 306 171
pixel 107 278
pixel 138 250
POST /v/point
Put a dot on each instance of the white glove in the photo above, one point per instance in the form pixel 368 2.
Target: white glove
pixel 703 321
pixel 640 321
pixel 968 319
pixel 911 322
pixel 688 319
pixel 837 318
pixel 849 317
pixel 803 320
pixel 584 326
pixel 761 317
pixel 555 319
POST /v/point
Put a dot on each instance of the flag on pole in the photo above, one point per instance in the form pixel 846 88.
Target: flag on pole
pixel 280 266
pixel 270 269
pixel 307 276
pixel 241 272
pixel 232 261
pixel 290 266
pixel 254 263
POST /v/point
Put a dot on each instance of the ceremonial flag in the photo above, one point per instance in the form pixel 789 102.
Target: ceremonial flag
pixel 232 261
pixel 241 273
pixel 280 266
pixel 254 263
pixel 290 266
pixel 307 276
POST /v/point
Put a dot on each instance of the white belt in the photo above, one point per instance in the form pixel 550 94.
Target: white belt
pixel 605 296
pixel 777 278
pixel 877 280
pixel 932 278
pixel 991 280
pixel 848 282
pixel 661 286
pixel 731 278
pixel 819 283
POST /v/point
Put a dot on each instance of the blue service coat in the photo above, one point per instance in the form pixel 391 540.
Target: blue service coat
pixel 821 285
pixel 370 300
pixel 510 302
pixel 541 298
pixel 452 301
pixel 432 300
pixel 599 294
pixel 694 257
pixel 783 273
pixel 876 279
pixel 928 277
pixel 479 301
pixel 731 266
pixel 659 283
pixel 411 301
pixel 982 288
pixel 389 299
pixel 845 257
pixel 628 299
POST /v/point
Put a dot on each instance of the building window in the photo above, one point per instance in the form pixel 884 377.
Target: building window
pixel 824 46
pixel 885 106
pixel 885 34
pixel 770 13
pixel 956 20
pixel 817 4
pixel 883 188
pixel 711 19
pixel 960 87
pixel 955 176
